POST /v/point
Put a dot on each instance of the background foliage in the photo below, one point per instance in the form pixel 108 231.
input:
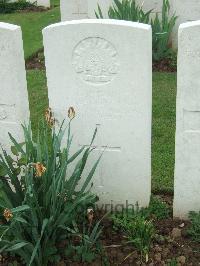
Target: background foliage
pixel 161 27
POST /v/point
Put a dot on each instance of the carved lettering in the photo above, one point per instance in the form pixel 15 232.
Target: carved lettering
pixel 191 120
pixel 193 53
pixel 7 113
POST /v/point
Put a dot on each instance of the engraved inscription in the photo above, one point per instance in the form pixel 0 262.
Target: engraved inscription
pixel 193 53
pixel 3 114
pixel 76 7
pixel 7 113
pixel 191 120
pixel 79 8
pixel 102 148
pixel 2 50
pixel 95 60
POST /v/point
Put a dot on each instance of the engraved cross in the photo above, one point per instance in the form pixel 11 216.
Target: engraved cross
pixel 77 7
pixel 104 147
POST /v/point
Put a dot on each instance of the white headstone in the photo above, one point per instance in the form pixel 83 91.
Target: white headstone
pixel 146 5
pixel 73 9
pixel 154 5
pixel 187 164
pixel 80 9
pixel 104 5
pixel 14 108
pixel 103 68
pixel 44 3
pixel 187 11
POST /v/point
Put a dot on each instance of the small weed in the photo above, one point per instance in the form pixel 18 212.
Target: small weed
pixel 173 60
pixel 194 230
pixel 173 262
pixel 138 230
pixel 14 263
pixel 85 244
pixel 157 209
pixel 138 226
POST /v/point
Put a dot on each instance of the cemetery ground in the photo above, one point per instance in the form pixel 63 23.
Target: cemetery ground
pixel 166 242
pixel 171 243
pixel 171 239
pixel 164 93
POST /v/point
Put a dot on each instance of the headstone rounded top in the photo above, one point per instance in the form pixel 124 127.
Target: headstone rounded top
pixel 189 24
pixel 8 26
pixel 101 22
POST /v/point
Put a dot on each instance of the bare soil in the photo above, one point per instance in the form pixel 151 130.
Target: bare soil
pixel 36 61
pixel 34 9
pixel 163 250
pixel 165 247
pixel 165 65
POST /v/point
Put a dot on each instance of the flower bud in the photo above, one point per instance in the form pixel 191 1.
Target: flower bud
pixel 40 169
pixel 49 117
pixel 71 113
pixel 7 214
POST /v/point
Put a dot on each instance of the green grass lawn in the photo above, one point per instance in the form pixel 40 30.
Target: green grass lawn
pixel 164 95
pixel 164 121
pixel 38 98
pixel 32 24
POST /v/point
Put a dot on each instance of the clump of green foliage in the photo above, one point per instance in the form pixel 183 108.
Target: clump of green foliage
pixel 173 262
pixel 11 7
pixel 194 230
pixel 42 200
pixel 126 10
pixel 157 209
pixel 138 226
pixel 161 27
pixel 161 32
pixel 138 230
pixel 86 247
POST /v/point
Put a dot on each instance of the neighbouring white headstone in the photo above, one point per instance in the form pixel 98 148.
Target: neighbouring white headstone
pixel 187 11
pixel 187 163
pixel 103 68
pixel 104 5
pixel 146 5
pixel 154 5
pixel 14 108
pixel 73 9
pixel 69 9
pixel 44 3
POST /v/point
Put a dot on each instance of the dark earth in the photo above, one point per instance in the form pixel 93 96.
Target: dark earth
pixel 171 247
pixel 36 61
pixel 34 9
pixel 165 65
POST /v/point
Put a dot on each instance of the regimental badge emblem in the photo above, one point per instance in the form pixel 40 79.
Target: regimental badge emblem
pixel 96 60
